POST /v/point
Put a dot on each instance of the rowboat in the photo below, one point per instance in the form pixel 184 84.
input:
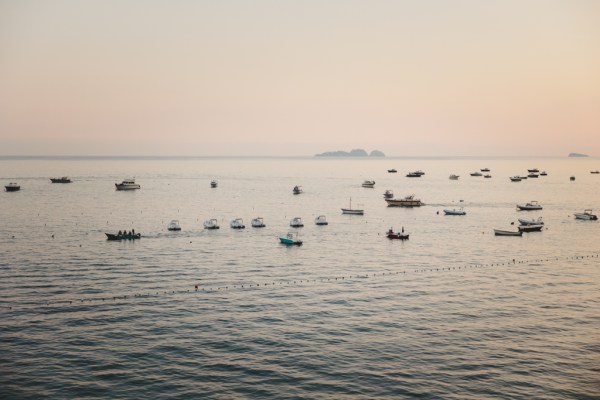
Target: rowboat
pixel 352 211
pixel 112 236
pixel 291 239
pixel 408 201
pixel 530 228
pixel 500 232
pixel 586 215
pixel 532 205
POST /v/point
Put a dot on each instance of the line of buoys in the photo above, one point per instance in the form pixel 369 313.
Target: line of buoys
pixel 354 278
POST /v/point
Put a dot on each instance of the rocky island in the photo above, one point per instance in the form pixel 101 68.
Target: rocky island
pixel 352 153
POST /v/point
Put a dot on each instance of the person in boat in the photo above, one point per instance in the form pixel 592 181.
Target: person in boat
pixel 391 231
pixel 133 232
pixel 119 234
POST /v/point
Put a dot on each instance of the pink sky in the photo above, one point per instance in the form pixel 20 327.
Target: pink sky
pixel 411 78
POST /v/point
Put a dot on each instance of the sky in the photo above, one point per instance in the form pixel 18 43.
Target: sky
pixel 296 78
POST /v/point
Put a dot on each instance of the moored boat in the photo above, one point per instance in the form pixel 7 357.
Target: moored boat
pixel 455 212
pixel 454 177
pixel 214 183
pixel 476 173
pixel 415 174
pixel 515 178
pixel 353 211
pixel 586 215
pixel 388 194
pixel 572 178
pixel 530 228
pixel 63 179
pixel 174 226
pixel 368 184
pixel 211 224
pixel 123 236
pixel 297 190
pixel 127 184
pixel 485 170
pixel 397 235
pixel 257 223
pixel 237 223
pixel 534 170
pixel 321 220
pixel 532 175
pixel 290 239
pixel 487 176
pixel 501 232
pixel 408 201
pixel 296 222
pixel 595 172
pixel 532 205
pixel 12 187
pixel 543 173
pixel 531 221
pixel 392 171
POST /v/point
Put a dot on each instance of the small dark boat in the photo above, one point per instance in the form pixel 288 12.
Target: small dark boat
pixel 543 173
pixel 595 172
pixel 12 187
pixel 112 236
pixel 63 179
pixel 572 178
pixel 397 235
pixel 533 170
pixel 392 171
pixel 297 190
pixel 532 175
pixel 530 228
pixel 485 170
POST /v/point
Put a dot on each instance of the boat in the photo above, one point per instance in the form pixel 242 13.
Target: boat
pixel 392 171
pixel 485 170
pixel 419 172
pixel 296 222
pixel 415 174
pixel 123 236
pixel 523 177
pixel 257 222
pixel 455 212
pixel 127 184
pixel 487 176
pixel 532 175
pixel 531 221
pixel 12 187
pixel 476 173
pixel 211 224
pixel 408 201
pixel 214 183
pixel 354 211
pixel 586 215
pixel 321 220
pixel 174 226
pixel 454 177
pixel 516 178
pixel 368 184
pixel 297 190
pixel 535 170
pixel 572 178
pixel 530 228
pixel 388 194
pixel 63 179
pixel 291 239
pixel 397 235
pixel 237 223
pixel 532 205
pixel 543 173
pixel 595 172
pixel 500 232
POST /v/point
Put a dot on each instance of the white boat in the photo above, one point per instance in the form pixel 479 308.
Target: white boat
pixel 12 187
pixel 454 177
pixel 408 201
pixel 174 226
pixel 321 220
pixel 213 183
pixel 500 232
pixel 211 224
pixel 388 194
pixel 296 222
pixel 455 212
pixel 368 184
pixel 531 228
pixel 476 173
pixel 127 184
pixel 531 221
pixel 297 190
pixel 258 223
pixel 237 223
pixel 353 211
pixel 532 205
pixel 516 178
pixel 586 215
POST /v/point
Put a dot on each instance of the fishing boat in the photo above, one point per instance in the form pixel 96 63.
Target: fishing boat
pixel 397 235
pixel 296 222
pixel 487 176
pixel 214 183
pixel 530 228
pixel 123 236
pixel 368 184
pixel 515 178
pixel 63 179
pixel 454 177
pixel 127 184
pixel 321 220
pixel 455 212
pixel 532 205
pixel 534 170
pixel 408 201
pixel 500 232
pixel 586 215
pixel 413 175
pixel 531 221
pixel 392 171
pixel 532 175
pixel 174 226
pixel 476 173
pixel 354 211
pixel 297 190
pixel 543 173
pixel 211 224
pixel 237 223
pixel 388 194
pixel 12 187
pixel 485 170
pixel 257 222
pixel 291 239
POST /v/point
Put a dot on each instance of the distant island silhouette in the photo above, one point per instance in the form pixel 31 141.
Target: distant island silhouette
pixel 577 155
pixel 352 153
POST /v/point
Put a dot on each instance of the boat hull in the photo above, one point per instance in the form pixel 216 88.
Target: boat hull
pixel 531 228
pixel 60 180
pixel 12 188
pixel 586 217
pixel 398 236
pixel 404 203
pixel 499 232
pixel 119 186
pixel 454 212
pixel 290 242
pixel 352 212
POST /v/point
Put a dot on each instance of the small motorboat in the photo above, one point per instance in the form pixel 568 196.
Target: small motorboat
pixel 515 178
pixel 214 183
pixel 127 184
pixel 392 171
pixel 291 239
pixel 485 170
pixel 419 172
pixel 534 170
pixel 500 232
pixel 415 174
pixel 368 184
pixel 531 228
pixel 476 173
pixel 237 223
pixel 487 176
pixel 211 224
pixel 12 187
pixel 531 221
pixel 297 190
pixel 63 179
pixel 408 201
pixel 532 175
pixel 523 177
pixel 532 205
pixel 174 226
pixel 257 222
pixel 321 220
pixel 572 178
pixel 296 222
pixel 454 177
pixel 123 236
pixel 353 211
pixel 455 212
pixel 388 194
pixel 543 173
pixel 586 215
pixel 397 235
pixel 595 172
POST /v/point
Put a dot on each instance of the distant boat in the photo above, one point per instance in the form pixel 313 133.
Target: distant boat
pixel 397 235
pixel 572 178
pixel 408 201
pixel 237 223
pixel 213 183
pixel 595 172
pixel 454 177
pixel 485 170
pixel 354 211
pixel 211 224
pixel 127 184
pixel 174 226
pixel 586 215
pixel 321 220
pixel 476 173
pixel 516 178
pixel 500 232
pixel 532 205
pixel 530 228
pixel 368 184
pixel 122 236
pixel 392 171
pixel 291 239
pixel 63 179
pixel 413 175
pixel 257 223
pixel 296 222
pixel 531 221
pixel 543 173
pixel 297 190
pixel 12 187
pixel 523 177
pixel 535 170
pixel 532 175
pixel 388 194
pixel 487 176
pixel 455 212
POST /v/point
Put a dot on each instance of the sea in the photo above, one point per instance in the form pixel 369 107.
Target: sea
pixel 454 312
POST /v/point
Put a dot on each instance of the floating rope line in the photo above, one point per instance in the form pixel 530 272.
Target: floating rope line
pixel 356 278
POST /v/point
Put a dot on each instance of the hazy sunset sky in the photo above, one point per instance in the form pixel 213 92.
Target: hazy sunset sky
pixel 411 78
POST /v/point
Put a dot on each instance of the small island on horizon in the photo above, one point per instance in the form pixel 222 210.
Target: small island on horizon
pixel 352 153
pixel 577 155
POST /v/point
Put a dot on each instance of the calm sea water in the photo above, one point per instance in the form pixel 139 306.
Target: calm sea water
pixel 454 312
